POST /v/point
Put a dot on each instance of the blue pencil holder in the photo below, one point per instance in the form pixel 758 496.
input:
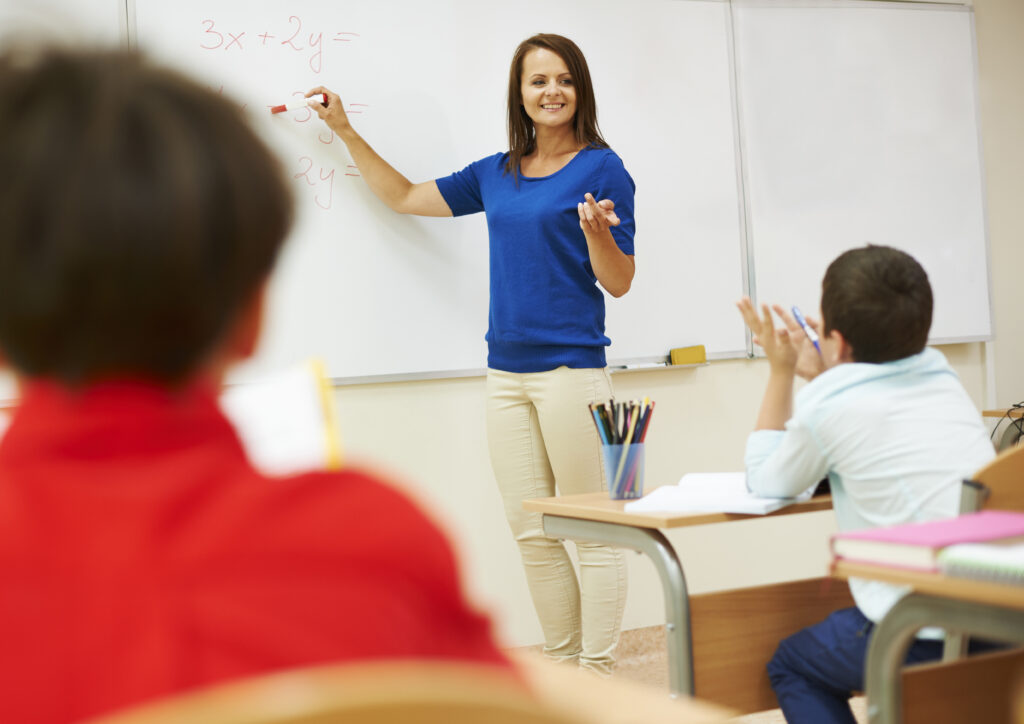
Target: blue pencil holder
pixel 624 470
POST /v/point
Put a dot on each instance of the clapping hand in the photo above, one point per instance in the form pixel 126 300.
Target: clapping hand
pixel 788 349
pixel 809 363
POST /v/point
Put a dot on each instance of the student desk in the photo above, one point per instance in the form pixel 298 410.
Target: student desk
pixel 991 610
pixel 594 517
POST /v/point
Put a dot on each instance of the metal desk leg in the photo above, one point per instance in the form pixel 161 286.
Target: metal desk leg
pixel 893 636
pixel 677 603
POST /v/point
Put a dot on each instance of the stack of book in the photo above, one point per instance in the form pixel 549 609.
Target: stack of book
pixel 988 545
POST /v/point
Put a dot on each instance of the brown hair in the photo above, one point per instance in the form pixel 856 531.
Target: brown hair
pixel 138 214
pixel 880 300
pixel 522 139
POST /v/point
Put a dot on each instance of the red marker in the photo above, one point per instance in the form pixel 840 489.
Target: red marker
pixel 320 98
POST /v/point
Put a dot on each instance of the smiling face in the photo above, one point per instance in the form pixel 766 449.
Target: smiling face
pixel 549 95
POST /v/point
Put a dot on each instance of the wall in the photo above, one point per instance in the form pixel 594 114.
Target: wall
pixel 430 434
pixel 1000 27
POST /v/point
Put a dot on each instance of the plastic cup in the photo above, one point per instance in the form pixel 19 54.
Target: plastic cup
pixel 624 470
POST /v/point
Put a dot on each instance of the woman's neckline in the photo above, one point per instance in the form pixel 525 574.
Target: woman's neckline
pixel 556 171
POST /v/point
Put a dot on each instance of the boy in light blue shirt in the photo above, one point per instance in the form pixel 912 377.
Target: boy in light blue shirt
pixel 890 425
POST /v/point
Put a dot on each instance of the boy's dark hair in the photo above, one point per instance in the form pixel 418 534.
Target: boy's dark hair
pixel 880 300
pixel 138 214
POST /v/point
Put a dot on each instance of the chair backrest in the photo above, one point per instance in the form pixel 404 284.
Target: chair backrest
pixel 367 693
pixel 1003 482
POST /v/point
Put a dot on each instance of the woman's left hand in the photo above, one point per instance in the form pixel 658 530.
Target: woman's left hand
pixel 596 216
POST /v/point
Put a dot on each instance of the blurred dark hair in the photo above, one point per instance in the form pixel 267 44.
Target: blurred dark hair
pixel 522 138
pixel 880 300
pixel 138 214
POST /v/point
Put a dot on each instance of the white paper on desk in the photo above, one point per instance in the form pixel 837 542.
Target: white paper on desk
pixel 710 493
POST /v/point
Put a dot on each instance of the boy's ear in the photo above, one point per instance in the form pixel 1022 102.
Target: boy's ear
pixel 842 349
pixel 244 336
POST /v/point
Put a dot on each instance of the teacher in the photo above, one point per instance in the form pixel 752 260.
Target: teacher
pixel 559 207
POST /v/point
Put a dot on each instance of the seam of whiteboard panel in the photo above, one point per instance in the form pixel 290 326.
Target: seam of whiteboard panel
pixel 981 170
pixel 742 179
pixel 130 25
pixel 122 21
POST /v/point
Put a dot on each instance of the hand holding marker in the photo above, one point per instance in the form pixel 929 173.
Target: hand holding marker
pixel 320 98
pixel 811 334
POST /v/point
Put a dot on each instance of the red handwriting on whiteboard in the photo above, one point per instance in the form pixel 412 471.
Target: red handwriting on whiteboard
pixel 315 41
pixel 325 177
pixel 214 38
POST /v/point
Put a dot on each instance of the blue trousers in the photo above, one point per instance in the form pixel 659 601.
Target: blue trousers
pixel 815 671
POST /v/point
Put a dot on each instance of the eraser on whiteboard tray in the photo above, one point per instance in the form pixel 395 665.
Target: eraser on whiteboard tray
pixel 694 355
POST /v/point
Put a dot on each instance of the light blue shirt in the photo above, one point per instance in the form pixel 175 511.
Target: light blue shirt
pixel 895 439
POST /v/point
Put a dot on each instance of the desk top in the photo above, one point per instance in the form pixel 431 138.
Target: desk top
pixel 937 584
pixel 1012 412
pixel 599 507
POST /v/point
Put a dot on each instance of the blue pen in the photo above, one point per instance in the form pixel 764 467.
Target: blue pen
pixel 811 334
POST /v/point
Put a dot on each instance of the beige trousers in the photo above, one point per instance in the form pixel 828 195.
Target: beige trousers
pixel 542 440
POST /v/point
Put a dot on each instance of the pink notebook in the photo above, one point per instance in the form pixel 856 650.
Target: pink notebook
pixel 916 545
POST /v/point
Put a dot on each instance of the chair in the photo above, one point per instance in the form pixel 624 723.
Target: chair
pixel 999 485
pixel 367 693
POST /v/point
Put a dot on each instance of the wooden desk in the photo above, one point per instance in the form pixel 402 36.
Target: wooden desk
pixel 991 610
pixel 1014 413
pixel 594 517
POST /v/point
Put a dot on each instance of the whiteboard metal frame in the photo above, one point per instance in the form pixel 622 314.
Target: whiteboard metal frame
pixel 130 35
pixel 742 178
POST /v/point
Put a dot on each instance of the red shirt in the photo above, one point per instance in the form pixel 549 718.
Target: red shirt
pixel 141 553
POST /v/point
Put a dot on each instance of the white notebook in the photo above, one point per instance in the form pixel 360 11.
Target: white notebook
pixel 286 420
pixel 710 493
pixel 1001 561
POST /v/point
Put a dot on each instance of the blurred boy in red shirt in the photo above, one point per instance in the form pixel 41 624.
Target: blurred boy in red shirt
pixel 140 552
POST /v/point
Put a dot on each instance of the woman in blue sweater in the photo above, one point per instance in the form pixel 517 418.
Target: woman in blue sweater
pixel 559 207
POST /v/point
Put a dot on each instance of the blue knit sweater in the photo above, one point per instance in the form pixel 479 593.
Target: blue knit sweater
pixel 546 309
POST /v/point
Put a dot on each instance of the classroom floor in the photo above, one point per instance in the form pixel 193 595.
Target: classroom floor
pixel 643 657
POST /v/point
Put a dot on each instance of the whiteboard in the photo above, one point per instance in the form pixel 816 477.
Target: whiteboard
pixel 93 22
pixel 765 138
pixel 859 124
pixel 379 294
